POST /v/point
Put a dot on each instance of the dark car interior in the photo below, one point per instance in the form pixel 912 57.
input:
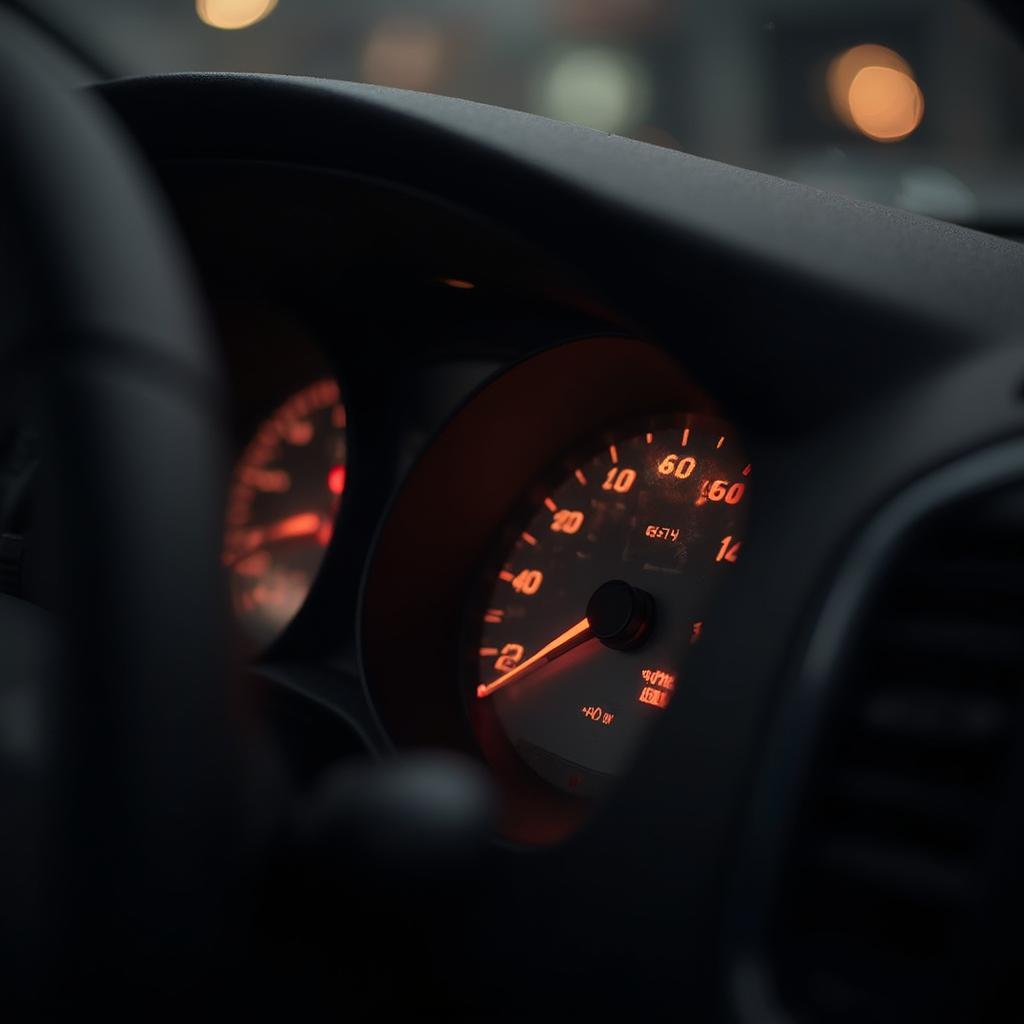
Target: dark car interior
pixel 460 563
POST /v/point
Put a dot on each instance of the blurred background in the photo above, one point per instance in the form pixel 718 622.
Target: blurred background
pixel 911 103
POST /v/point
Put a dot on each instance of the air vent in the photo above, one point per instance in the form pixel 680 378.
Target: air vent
pixel 890 895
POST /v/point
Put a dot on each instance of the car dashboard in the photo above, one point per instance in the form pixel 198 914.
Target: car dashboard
pixel 646 484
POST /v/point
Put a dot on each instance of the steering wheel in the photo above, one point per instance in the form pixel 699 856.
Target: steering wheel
pixel 138 807
pixel 117 785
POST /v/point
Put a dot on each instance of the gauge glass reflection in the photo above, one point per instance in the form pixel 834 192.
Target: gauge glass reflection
pixel 284 498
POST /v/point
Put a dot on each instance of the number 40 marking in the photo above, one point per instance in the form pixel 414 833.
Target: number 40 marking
pixel 729 551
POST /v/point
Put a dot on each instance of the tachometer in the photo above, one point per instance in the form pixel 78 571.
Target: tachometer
pixel 596 595
pixel 281 509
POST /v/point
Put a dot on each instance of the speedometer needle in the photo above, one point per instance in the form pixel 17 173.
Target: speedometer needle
pixel 572 637
pixel 302 524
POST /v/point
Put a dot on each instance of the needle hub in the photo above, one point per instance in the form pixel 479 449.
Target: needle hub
pixel 620 615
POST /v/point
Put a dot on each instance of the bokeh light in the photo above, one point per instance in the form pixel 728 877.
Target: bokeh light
pixel 608 19
pixel 885 104
pixel 872 91
pixel 741 81
pixel 233 14
pixel 596 86
pixel 405 52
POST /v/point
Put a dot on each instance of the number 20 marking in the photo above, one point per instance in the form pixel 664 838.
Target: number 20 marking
pixel 566 521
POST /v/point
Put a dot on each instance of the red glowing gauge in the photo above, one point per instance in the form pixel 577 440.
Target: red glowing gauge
pixel 283 502
pixel 597 596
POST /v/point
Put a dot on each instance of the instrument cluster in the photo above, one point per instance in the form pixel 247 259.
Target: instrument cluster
pixel 547 569
pixel 531 581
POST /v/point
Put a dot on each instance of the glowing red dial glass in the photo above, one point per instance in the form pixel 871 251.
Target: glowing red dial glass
pixel 284 497
pixel 597 595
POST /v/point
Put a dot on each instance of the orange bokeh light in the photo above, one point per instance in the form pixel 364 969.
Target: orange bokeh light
pixel 233 14
pixel 406 52
pixel 885 104
pixel 872 91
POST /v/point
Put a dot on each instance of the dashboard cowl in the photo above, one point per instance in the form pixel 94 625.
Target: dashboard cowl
pixel 558 180
pixel 906 831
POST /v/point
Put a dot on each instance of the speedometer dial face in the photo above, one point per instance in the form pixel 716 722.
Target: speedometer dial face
pixel 597 595
pixel 281 509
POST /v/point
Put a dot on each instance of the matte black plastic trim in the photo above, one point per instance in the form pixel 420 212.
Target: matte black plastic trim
pixel 780 787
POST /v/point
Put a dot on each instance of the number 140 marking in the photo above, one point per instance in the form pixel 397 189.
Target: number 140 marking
pixel 729 551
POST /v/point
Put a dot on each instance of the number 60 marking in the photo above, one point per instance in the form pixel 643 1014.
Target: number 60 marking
pixel 680 468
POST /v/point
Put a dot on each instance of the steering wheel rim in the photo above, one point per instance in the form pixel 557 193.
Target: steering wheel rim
pixel 124 807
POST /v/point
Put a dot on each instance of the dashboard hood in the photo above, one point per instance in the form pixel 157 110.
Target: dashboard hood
pixel 556 176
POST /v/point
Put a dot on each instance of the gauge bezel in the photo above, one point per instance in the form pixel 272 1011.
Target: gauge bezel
pixel 441 528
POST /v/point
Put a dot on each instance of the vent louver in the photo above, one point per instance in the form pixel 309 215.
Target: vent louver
pixel 890 899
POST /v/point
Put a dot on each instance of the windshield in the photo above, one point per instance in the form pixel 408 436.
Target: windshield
pixel 914 104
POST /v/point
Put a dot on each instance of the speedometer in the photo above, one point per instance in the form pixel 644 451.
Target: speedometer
pixel 596 594
pixel 281 509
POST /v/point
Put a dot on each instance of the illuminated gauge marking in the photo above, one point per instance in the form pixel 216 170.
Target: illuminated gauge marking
pixel 284 498
pixel 583 635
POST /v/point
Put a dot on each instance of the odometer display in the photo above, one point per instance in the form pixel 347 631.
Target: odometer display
pixel 597 595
